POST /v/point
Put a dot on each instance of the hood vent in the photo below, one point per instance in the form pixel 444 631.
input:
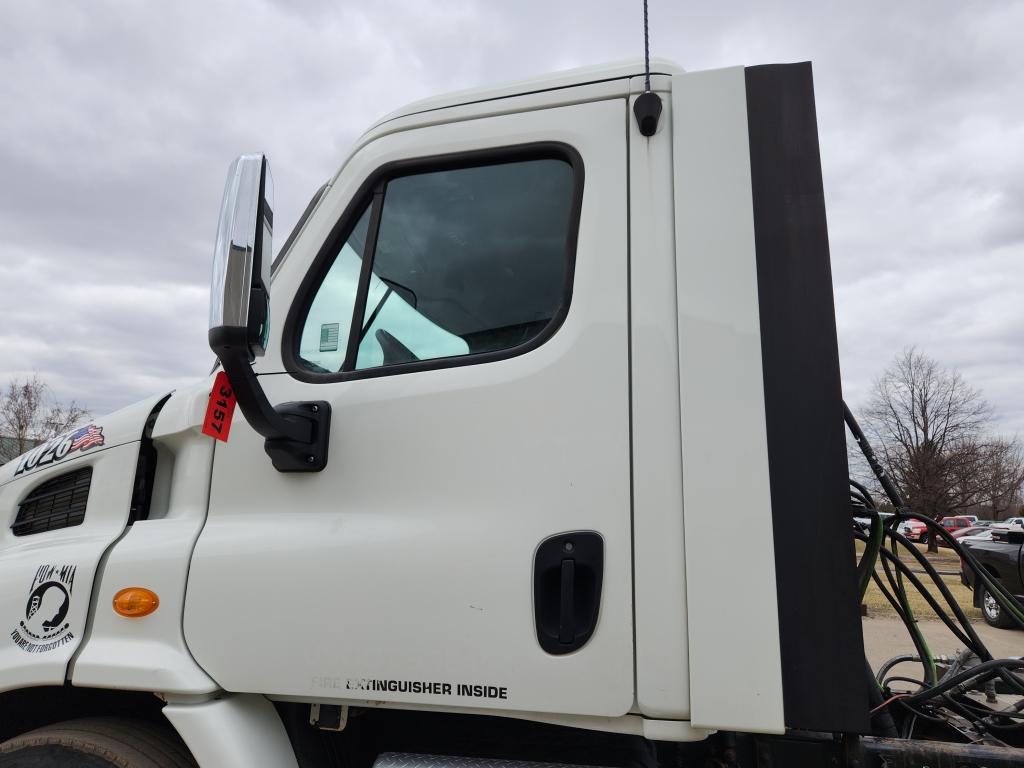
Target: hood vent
pixel 57 503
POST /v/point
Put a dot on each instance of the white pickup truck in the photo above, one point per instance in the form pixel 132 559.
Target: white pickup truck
pixel 541 459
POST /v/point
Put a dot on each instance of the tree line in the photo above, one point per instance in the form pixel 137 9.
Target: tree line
pixel 935 437
pixel 30 414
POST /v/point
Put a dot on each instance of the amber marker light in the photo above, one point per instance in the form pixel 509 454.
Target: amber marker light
pixel 135 602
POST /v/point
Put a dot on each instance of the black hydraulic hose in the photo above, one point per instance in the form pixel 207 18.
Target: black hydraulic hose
pixel 1006 600
pixel 950 703
pixel 870 501
pixel 920 714
pixel 910 622
pixel 1009 678
pixel 981 721
pixel 902 679
pixel 944 591
pixel 986 716
pixel 998 592
pixel 872 544
pixel 860 499
pixel 915 635
pixel 865 447
pixel 897 501
pixel 933 604
pixel 892 663
pixel 984 670
pixel 888 596
pixel 1002 596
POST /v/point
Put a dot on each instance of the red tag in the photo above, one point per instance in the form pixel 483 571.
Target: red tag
pixel 217 423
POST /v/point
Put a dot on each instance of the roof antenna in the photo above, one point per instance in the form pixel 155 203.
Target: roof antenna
pixel 647 106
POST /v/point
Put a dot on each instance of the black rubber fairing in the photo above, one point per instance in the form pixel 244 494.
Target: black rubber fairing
pixel 819 621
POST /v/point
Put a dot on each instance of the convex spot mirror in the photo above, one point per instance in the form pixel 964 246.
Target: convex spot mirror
pixel 240 285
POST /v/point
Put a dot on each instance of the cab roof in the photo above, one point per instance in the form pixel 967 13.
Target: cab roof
pixel 622 70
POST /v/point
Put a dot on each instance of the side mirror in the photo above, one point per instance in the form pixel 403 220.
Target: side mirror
pixel 296 433
pixel 240 286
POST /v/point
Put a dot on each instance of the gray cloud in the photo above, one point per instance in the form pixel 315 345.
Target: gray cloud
pixel 120 121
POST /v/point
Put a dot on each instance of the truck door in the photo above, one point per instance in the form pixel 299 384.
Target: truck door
pixel 459 298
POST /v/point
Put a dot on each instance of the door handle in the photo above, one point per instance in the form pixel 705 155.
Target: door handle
pixel 567 575
pixel 566 617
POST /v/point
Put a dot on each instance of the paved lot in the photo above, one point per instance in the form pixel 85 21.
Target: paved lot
pixel 887 637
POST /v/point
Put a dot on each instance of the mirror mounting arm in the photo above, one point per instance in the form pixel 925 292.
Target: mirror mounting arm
pixel 296 434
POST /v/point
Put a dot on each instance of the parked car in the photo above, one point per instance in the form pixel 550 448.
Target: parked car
pixel 957 522
pixel 962 533
pixel 914 530
pixel 1003 558
pixel 1010 522
pixel 984 534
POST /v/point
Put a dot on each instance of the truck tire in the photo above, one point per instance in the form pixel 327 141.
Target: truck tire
pixel 101 742
pixel 993 612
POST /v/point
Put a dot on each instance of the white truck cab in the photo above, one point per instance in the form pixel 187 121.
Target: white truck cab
pixel 529 407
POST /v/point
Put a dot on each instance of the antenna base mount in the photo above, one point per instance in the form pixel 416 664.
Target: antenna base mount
pixel 647 109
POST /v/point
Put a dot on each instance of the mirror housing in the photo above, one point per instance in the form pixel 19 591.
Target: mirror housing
pixel 240 284
pixel 296 433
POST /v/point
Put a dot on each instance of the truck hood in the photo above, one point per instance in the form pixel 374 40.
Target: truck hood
pixel 98 434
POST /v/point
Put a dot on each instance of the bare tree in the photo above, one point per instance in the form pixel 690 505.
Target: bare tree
pixel 931 430
pixel 29 413
pixel 1002 478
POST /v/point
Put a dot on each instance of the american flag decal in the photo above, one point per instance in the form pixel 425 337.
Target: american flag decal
pixel 86 438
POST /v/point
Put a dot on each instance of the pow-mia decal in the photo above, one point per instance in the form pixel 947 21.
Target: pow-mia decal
pixel 56 449
pixel 45 625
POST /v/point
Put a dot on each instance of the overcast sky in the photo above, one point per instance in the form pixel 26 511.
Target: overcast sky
pixel 119 121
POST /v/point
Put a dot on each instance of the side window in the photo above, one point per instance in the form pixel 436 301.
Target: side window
pixel 465 261
pixel 324 338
